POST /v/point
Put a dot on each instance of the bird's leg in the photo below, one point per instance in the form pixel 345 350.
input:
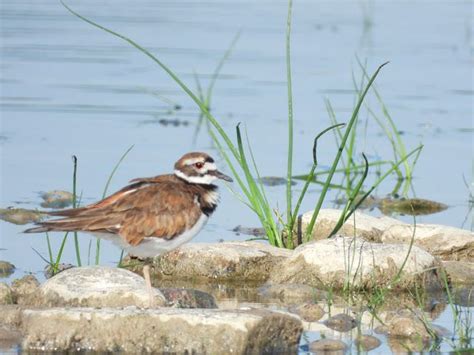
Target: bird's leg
pixel 146 275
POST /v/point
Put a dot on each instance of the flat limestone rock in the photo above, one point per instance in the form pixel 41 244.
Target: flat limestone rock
pixel 365 265
pixel 163 330
pixel 229 261
pixel 446 242
pixel 98 287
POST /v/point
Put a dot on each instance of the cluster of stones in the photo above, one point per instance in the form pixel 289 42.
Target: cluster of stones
pixel 107 309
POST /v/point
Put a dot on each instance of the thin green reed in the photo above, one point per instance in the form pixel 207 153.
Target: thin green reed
pixel 97 250
pixel 253 191
pixel 351 123
pixel 290 121
pixel 74 205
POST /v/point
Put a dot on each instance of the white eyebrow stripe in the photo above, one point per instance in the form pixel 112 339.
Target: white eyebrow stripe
pixel 192 161
pixel 210 166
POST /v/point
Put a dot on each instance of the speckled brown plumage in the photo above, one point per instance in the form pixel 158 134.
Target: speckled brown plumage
pixel 163 207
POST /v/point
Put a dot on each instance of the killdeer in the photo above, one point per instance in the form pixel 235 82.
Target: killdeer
pixel 151 215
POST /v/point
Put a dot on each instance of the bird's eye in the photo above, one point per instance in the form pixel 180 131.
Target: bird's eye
pixel 199 165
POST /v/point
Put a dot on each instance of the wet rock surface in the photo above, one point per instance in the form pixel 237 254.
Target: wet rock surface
pixel 56 199
pixel 188 298
pixel 333 262
pixel 460 272
pixel 229 261
pixel 309 312
pixel 160 330
pixel 20 215
pixel 341 322
pixel 6 268
pixel 367 342
pixel 407 326
pixel 328 346
pixel 9 338
pixel 98 287
pixel 448 243
pixel 25 291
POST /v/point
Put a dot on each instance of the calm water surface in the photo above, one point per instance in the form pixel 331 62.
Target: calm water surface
pixel 68 88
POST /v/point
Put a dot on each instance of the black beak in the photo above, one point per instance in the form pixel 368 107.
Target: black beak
pixel 220 175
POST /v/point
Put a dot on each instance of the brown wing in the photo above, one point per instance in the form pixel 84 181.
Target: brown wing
pixel 152 210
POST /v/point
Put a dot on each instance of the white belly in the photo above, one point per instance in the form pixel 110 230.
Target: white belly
pixel 150 246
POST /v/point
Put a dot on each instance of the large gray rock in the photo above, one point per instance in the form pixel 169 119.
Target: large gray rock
pixel 165 330
pixel 459 272
pixel 448 243
pixel 229 261
pixel 98 287
pixel 339 261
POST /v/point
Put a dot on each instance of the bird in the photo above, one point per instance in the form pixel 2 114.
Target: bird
pixel 151 215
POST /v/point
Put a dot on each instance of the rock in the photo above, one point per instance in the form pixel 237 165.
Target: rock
pixel 328 346
pixel 188 298
pixel 367 227
pixel 49 271
pixel 166 330
pixel 98 287
pixel 367 342
pixel 9 339
pixel 56 199
pixel 10 316
pixel 20 215
pixel 407 326
pixel 341 323
pixel 6 268
pixel 309 312
pixel 448 243
pixel 5 294
pixel 229 261
pixel 410 206
pixel 25 291
pixel 338 261
pixel 403 345
pixel 463 296
pixel 459 272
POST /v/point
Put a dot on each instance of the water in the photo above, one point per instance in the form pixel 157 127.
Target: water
pixel 68 88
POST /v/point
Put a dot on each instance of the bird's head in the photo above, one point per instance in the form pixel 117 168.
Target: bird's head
pixel 198 168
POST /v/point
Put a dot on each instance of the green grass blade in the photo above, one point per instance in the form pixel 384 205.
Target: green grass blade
pixel 183 86
pixel 311 174
pixel 382 178
pixel 98 241
pixel 258 202
pixel 289 174
pixel 60 253
pixel 219 67
pixel 74 205
pixel 350 202
pixel 50 251
pixel 115 169
pixel 355 113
